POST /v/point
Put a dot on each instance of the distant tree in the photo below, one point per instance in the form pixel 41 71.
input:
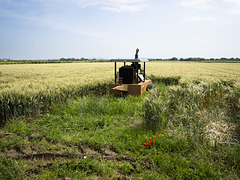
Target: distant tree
pixel 223 59
pixel 174 59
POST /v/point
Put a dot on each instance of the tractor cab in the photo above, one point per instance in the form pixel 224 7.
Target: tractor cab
pixel 130 79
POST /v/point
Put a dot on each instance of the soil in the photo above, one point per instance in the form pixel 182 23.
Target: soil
pixel 41 157
pixel 31 151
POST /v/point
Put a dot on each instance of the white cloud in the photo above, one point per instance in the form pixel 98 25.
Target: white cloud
pixel 114 5
pixel 235 6
pixel 200 19
pixel 87 3
pixel 63 26
pixel 111 5
pixel 198 4
pixel 226 6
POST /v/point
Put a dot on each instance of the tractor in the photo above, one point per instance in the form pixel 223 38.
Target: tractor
pixel 130 79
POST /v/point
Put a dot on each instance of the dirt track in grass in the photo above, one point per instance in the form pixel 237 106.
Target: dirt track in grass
pixel 40 158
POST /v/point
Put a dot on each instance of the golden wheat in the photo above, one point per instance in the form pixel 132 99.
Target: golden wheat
pixel 34 78
pixel 189 71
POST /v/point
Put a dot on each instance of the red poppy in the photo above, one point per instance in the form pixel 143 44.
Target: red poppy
pixel 150 142
pixel 155 137
pixel 147 144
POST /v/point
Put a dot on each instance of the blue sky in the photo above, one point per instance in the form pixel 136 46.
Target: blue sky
pixel 42 29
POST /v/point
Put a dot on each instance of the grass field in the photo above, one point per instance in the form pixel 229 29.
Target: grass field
pixel 59 122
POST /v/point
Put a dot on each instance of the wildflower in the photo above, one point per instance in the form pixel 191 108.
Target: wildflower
pixel 147 144
pixel 150 142
pixel 155 137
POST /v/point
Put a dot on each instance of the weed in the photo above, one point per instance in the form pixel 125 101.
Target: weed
pixel 126 168
pixel 10 168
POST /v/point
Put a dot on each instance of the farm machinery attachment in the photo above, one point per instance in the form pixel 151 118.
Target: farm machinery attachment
pixel 130 79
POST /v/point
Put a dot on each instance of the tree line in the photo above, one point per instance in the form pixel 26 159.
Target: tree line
pixel 199 59
pixel 61 60
pixel 69 60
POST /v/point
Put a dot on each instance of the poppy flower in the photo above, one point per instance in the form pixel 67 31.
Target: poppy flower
pixel 147 144
pixel 155 137
pixel 150 142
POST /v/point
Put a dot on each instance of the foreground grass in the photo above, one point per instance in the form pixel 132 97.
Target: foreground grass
pixel 104 138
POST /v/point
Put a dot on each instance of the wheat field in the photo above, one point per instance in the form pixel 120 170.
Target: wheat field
pixel 188 71
pixel 34 78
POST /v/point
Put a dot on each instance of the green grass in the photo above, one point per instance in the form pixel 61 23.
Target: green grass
pixel 103 137
pixel 15 104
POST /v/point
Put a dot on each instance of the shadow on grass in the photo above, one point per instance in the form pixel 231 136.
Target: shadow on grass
pixel 165 80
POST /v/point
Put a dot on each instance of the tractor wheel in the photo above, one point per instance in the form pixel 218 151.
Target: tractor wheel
pixel 150 87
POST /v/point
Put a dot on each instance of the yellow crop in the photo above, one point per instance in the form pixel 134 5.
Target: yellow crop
pixel 189 71
pixel 32 78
